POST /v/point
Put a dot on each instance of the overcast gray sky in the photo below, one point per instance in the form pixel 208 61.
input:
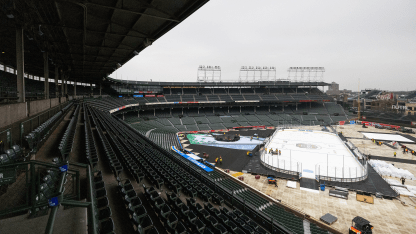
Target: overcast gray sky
pixel 370 40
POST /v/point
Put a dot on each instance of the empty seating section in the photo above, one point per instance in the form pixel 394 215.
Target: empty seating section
pixel 162 113
pixel 48 187
pixel 101 204
pixel 173 98
pixel 37 137
pixel 161 99
pixel 234 91
pixel 252 97
pixel 202 120
pixel 66 144
pixel 135 208
pixel 12 155
pixel 192 111
pixel 268 98
pixel 144 159
pixel 191 91
pixel 204 91
pixel 201 98
pixel 334 108
pixel 261 90
pixel 151 99
pixel 35 89
pixel 219 91
pixel 225 98
pixel 111 157
pixel 237 97
pixel 104 104
pixel 247 90
pixel 90 147
pixel 176 91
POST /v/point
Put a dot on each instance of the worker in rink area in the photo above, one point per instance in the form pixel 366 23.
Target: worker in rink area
pixel 220 160
pixel 394 154
pixel 216 160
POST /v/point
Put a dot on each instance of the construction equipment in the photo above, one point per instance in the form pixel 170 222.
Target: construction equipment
pixel 360 225
pixel 271 180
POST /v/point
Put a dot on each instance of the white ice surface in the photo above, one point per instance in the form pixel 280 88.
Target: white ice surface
pixel 291 184
pixel 325 154
pixel 403 191
pixel 386 137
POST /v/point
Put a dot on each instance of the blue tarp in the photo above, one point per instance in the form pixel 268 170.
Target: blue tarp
pixel 199 164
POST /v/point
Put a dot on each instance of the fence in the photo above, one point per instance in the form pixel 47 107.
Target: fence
pixel 283 166
pixel 21 182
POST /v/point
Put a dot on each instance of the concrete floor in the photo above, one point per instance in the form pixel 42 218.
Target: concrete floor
pixel 387 216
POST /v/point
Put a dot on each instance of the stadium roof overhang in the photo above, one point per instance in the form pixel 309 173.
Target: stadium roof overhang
pixel 87 39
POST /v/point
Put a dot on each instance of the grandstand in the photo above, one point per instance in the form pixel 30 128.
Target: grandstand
pixel 81 152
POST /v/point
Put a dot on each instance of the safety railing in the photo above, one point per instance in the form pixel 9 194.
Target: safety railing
pixel 26 185
pixel 284 165
pixel 6 137
pixel 31 124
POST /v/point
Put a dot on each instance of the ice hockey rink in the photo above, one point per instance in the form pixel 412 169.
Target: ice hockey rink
pixel 312 153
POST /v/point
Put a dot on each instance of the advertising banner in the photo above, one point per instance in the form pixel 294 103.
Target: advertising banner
pixel 387 96
pixel 193 160
pixel 385 125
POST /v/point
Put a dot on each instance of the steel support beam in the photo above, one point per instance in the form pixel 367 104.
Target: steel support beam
pixel 75 88
pixel 46 73
pixel 20 64
pixel 56 81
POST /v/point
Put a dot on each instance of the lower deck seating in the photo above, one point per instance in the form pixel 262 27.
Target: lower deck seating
pixel 144 158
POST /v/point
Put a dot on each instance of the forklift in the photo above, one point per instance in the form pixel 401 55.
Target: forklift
pixel 360 225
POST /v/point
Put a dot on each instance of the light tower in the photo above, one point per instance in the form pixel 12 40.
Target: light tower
pixel 257 73
pixel 209 74
pixel 306 74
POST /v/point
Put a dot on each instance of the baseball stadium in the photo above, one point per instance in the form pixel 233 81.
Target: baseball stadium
pixel 84 152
